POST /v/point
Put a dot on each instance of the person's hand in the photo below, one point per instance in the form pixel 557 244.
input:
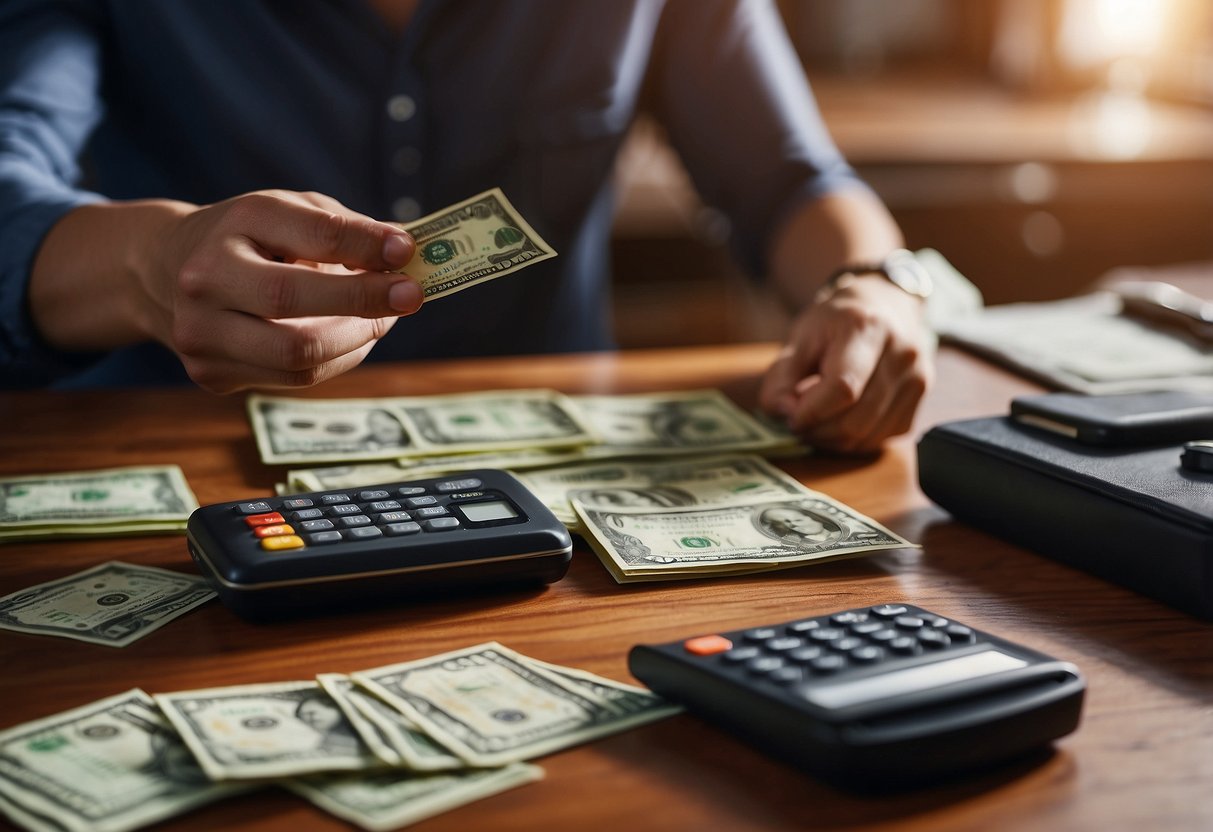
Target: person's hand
pixel 275 289
pixel 857 362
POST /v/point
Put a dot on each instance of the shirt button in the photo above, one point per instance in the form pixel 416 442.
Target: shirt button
pixel 401 107
pixel 406 208
pixel 406 161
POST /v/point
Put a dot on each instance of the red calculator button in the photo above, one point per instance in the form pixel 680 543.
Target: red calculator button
pixel 273 531
pixel 270 519
pixel 707 645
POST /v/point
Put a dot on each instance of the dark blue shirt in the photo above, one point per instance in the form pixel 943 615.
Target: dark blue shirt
pixel 201 101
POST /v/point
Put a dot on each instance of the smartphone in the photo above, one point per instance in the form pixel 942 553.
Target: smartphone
pixel 1120 419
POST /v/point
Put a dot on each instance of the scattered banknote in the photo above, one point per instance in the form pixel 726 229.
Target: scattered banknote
pixel 388 800
pixel 479 239
pixel 115 501
pixel 266 731
pixel 113 604
pixel 349 744
pixel 113 765
pixel 679 481
pixel 663 543
pixel 298 430
pixel 490 706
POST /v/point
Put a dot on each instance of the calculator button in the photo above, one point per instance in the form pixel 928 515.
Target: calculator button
pixel 271 519
pixel 889 610
pixel 397 529
pixel 308 514
pixel 960 634
pixel 316 525
pixel 334 499
pixel 863 628
pixel 393 517
pixel 851 617
pixel 740 654
pixel 344 509
pixel 909 622
pixel 933 639
pixel 459 485
pixel 325 537
pixel 905 645
pixel 848 643
pixel 385 505
pixel 884 635
pixel 867 654
pixel 804 654
pixel 764 664
pixel 259 507
pixel 441 524
pixel 410 491
pixel 760 634
pixel 787 675
pixel 932 620
pixel 418 502
pixel 828 663
pixel 297 502
pixel 364 533
pixel 826 634
pixel 430 511
pixel 373 495
pixel 355 520
pixel 707 645
pixel 783 644
pixel 273 531
pixel 286 541
pixel 803 626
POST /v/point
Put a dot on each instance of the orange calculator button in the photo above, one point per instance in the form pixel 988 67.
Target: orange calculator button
pixel 273 531
pixel 282 541
pixel 270 519
pixel 707 645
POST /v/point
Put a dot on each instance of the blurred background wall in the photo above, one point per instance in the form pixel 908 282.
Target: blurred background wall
pixel 1035 143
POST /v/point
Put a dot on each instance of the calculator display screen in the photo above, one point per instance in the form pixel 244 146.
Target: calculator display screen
pixel 488 511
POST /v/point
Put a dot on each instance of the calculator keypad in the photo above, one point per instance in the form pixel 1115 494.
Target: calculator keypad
pixel 826 646
pixel 329 518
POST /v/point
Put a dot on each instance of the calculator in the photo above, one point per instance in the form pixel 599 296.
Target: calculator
pixel 872 698
pixel 310 552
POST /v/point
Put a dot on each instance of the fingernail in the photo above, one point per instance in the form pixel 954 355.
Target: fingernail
pixel 404 296
pixel 397 249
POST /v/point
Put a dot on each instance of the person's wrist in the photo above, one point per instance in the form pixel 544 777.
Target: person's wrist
pixel 154 260
pixel 899 267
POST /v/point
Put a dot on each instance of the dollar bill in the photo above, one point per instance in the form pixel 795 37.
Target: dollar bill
pixel 109 766
pixel 91 503
pixel 683 542
pixel 113 604
pixel 476 240
pixel 293 430
pixel 390 800
pixel 490 707
pixel 676 422
pixel 668 482
pixel 386 731
pixel 264 731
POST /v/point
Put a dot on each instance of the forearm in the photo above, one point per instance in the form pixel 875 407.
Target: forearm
pixel 92 282
pixel 844 226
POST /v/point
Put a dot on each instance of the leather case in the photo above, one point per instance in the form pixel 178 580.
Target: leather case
pixel 1132 516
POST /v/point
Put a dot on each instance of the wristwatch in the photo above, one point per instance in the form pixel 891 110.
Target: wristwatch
pixel 900 267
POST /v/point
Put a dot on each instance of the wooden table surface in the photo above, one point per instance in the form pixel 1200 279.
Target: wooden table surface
pixel 1141 760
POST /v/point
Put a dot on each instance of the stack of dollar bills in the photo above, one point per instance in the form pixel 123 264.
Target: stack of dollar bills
pixel 380 748
pixel 116 501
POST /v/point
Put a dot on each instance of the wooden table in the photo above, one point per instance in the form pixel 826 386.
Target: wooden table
pixel 1141 760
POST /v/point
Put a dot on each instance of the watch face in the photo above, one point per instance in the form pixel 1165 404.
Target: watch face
pixel 904 270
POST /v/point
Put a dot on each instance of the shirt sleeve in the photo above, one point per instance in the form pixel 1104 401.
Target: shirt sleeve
pixel 732 94
pixel 49 105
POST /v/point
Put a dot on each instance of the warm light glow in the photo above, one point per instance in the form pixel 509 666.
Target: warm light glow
pixel 1098 31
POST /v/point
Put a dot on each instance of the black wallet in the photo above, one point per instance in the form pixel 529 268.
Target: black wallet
pixel 1133 516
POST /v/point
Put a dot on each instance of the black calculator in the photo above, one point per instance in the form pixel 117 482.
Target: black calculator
pixel 310 552
pixel 873 698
